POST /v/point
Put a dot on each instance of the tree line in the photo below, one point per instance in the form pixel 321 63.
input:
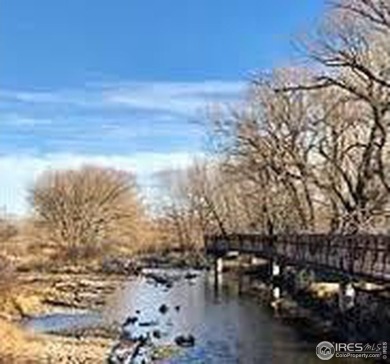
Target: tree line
pixel 308 151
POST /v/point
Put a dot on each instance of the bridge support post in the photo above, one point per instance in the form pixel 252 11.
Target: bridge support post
pixel 347 296
pixel 240 277
pixel 218 268
pixel 275 269
pixel 275 286
pixel 218 265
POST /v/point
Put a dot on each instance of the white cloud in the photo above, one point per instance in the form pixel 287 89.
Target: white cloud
pixel 17 173
pixel 182 98
pixel 174 97
pixel 14 119
pixel 30 96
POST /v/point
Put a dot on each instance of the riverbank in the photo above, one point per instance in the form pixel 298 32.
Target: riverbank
pixel 316 313
pixel 20 347
pixel 39 294
pixel 47 293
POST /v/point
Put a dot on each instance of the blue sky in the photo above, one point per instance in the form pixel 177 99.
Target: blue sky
pixel 124 82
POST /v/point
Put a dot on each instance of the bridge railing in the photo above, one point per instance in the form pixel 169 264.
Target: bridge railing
pixel 363 254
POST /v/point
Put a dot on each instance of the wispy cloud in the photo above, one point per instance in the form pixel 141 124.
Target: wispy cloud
pixel 180 98
pixel 98 113
pixel 140 126
pixel 171 97
pixel 20 120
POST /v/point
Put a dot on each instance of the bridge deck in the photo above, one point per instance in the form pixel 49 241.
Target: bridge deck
pixel 364 256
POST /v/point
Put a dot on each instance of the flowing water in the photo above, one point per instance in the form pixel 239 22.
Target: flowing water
pixel 228 328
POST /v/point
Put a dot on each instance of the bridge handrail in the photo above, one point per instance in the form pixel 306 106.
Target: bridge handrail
pixel 365 254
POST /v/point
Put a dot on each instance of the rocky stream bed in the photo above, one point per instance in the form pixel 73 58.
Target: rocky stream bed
pixel 73 308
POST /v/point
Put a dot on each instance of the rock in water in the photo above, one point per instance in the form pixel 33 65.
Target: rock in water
pixel 131 320
pixel 148 323
pixel 163 309
pixel 157 334
pixel 190 275
pixel 185 341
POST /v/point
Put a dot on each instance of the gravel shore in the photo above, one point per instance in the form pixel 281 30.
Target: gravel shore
pixel 43 293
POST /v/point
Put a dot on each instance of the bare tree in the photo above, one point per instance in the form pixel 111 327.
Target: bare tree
pixel 374 12
pixel 269 146
pixel 79 208
pixel 353 46
pixel 319 150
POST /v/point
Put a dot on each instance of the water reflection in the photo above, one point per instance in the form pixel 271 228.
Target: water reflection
pixel 228 328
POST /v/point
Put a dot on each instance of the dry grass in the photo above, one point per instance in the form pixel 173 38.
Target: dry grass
pixel 15 345
pixel 7 276
pixel 18 347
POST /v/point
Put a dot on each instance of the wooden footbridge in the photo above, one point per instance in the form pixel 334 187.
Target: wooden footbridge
pixel 355 256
